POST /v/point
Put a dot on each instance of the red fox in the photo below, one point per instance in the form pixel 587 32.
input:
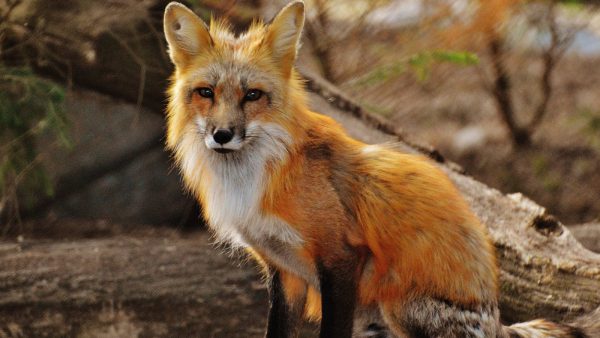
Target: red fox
pixel 370 241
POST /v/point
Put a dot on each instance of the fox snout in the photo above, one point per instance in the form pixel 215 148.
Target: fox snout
pixel 222 139
pixel 223 136
pixel 225 140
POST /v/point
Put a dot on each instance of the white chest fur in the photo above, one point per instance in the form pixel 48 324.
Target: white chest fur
pixel 234 212
pixel 233 185
pixel 233 200
pixel 232 188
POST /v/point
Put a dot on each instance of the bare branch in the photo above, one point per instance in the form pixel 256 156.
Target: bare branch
pixel 317 33
pixel 140 62
pixel 501 91
pixel 556 49
pixel 160 39
pixel 11 6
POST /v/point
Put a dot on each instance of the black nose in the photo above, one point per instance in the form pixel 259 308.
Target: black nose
pixel 223 136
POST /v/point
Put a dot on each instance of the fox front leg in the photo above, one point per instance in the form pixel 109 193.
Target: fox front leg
pixel 284 318
pixel 338 298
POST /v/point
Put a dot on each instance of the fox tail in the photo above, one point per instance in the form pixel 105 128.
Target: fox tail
pixel 586 326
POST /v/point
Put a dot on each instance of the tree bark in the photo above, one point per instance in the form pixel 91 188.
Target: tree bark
pixel 152 283
pixel 588 235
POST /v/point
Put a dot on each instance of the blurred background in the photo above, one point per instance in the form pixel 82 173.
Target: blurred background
pixel 508 89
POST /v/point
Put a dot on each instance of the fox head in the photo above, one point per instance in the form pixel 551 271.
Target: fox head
pixel 226 88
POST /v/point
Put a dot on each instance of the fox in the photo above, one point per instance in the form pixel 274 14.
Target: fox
pixel 365 239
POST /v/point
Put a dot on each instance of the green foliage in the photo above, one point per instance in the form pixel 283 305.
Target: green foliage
pixel 382 74
pixel 590 125
pixel 420 64
pixel 573 4
pixel 549 179
pixel 540 165
pixel 29 106
pixel 201 10
pixel 592 122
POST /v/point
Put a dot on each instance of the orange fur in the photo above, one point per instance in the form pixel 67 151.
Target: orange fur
pixel 312 309
pixel 412 220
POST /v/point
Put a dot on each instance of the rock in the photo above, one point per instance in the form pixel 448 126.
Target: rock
pixel 146 191
pixel 118 169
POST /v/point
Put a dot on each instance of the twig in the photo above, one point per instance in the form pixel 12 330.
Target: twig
pixel 316 32
pixel 11 7
pixel 31 131
pixel 10 195
pixel 555 51
pixel 137 59
pixel 160 40
pixel 501 91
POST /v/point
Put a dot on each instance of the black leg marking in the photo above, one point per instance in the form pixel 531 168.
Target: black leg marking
pixel 338 297
pixel 284 319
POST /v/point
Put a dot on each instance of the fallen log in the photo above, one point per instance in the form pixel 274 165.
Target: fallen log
pixel 150 283
pixel 588 235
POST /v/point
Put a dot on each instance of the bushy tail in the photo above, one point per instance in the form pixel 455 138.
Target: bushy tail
pixel 541 328
pixel 586 326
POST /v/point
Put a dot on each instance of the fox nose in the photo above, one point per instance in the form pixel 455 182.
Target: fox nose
pixel 223 136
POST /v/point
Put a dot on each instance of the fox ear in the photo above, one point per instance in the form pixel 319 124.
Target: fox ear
pixel 187 35
pixel 283 35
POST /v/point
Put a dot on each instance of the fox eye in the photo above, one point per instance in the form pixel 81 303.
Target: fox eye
pixel 253 95
pixel 205 92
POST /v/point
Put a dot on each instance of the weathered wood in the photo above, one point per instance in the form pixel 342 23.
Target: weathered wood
pixel 588 235
pixel 156 284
